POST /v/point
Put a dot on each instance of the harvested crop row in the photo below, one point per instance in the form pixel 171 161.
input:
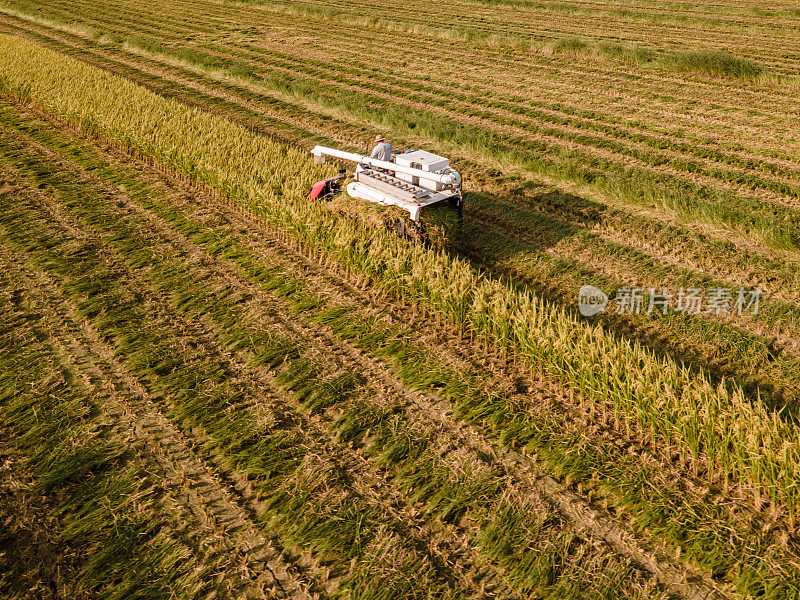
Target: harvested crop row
pixel 307 336
pixel 483 41
pixel 203 511
pixel 104 500
pixel 512 27
pixel 323 520
pixel 546 335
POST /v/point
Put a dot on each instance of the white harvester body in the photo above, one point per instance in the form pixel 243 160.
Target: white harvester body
pixel 413 180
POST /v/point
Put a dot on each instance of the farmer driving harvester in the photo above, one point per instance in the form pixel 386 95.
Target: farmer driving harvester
pixel 382 149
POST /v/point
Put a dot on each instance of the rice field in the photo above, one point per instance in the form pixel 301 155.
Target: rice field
pixel 212 387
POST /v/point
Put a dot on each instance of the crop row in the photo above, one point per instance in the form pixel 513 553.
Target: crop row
pixel 369 335
pixel 612 89
pixel 359 414
pixel 719 346
pixel 103 502
pixel 666 236
pixel 744 350
pixel 565 80
pixel 637 386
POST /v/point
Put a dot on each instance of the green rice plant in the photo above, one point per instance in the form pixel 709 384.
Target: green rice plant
pixel 714 63
pixel 572 45
pixel 630 55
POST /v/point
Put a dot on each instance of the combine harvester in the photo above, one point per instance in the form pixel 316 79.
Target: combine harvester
pixel 416 182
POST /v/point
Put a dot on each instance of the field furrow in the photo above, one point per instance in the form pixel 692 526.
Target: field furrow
pixel 566 500
pixel 328 451
pixel 280 400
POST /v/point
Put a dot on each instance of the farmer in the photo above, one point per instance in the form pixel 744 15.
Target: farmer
pixel 382 149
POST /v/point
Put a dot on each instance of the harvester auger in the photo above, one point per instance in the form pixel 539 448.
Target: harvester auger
pixel 414 181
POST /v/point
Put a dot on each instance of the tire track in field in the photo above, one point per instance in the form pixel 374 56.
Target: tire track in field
pixel 593 522
pixel 224 526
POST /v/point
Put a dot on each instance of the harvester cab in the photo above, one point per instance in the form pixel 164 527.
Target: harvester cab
pixel 413 181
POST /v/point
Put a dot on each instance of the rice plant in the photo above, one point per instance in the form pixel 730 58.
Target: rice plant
pixel 636 386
